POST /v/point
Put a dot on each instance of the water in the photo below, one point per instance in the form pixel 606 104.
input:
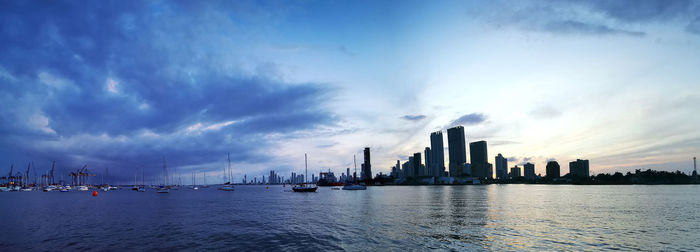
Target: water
pixel 490 217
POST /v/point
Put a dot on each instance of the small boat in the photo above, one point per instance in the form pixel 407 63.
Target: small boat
pixel 142 189
pixel 27 189
pixel 305 187
pixel 195 188
pixel 47 189
pixel 226 187
pixel 83 188
pixel 163 189
pixel 4 189
pixel 355 187
pixel 63 189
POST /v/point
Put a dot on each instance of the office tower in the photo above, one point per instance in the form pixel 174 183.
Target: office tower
pixel 347 174
pixel 410 167
pixel 438 154
pixel 529 171
pixel 552 170
pixel 479 158
pixel 416 164
pixel 457 149
pixel 515 172
pixel 398 168
pixel 367 167
pixel 501 167
pixel 579 168
pixel 428 156
pixel 406 169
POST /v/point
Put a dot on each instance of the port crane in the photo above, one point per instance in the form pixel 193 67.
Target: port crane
pixel 80 176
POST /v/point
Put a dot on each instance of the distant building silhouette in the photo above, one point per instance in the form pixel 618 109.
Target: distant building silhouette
pixel 438 154
pixel 501 167
pixel 515 172
pixel 410 172
pixel 479 159
pixel 428 155
pixel 553 170
pixel 367 167
pixel 579 168
pixel 458 150
pixel 416 164
pixel 529 171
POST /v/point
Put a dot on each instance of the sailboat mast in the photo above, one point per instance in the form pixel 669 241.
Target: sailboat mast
pixel 165 171
pixel 229 168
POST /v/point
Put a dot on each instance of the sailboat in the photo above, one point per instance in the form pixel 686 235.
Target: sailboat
pixel 194 182
pixel 204 185
pixel 305 187
pixel 354 185
pixel 142 188
pixel 164 188
pixel 228 186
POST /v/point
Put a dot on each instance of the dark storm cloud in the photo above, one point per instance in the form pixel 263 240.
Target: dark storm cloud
pixel 469 119
pixel 123 83
pixel 413 117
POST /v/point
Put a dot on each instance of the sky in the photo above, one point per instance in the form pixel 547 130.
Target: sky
pixel 119 85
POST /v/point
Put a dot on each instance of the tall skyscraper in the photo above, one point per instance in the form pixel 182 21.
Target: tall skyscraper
pixel 553 170
pixel 438 154
pixel 367 167
pixel 479 159
pixel 416 164
pixel 428 156
pixel 529 171
pixel 458 150
pixel 501 167
pixel 579 168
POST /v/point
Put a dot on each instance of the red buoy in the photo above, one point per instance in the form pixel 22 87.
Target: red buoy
pixel 94 193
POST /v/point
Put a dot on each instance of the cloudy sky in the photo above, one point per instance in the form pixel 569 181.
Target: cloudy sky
pixel 119 84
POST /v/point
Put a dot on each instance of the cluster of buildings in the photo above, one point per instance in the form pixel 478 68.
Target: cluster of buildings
pixel 429 166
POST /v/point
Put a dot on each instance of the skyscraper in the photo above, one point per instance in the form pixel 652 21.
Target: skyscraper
pixel 553 170
pixel 479 159
pixel 458 150
pixel 501 167
pixel 529 171
pixel 367 167
pixel 579 168
pixel 428 156
pixel 416 164
pixel 438 154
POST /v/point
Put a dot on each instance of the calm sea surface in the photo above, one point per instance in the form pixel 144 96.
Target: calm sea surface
pixel 489 217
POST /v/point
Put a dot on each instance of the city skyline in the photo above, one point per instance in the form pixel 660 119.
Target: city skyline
pixel 611 82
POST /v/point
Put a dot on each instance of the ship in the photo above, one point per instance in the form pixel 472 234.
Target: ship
pixel 328 179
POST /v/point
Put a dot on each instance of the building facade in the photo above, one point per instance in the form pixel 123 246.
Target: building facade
pixel 457 149
pixel 479 159
pixel 553 170
pixel 501 167
pixel 579 168
pixel 529 171
pixel 438 154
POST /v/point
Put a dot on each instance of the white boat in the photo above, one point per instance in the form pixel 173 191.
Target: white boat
pixel 63 189
pixel 163 189
pixel 83 188
pixel 47 189
pixel 226 187
pixel 4 189
pixel 229 174
pixel 355 187
pixel 142 189
pixel 27 189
